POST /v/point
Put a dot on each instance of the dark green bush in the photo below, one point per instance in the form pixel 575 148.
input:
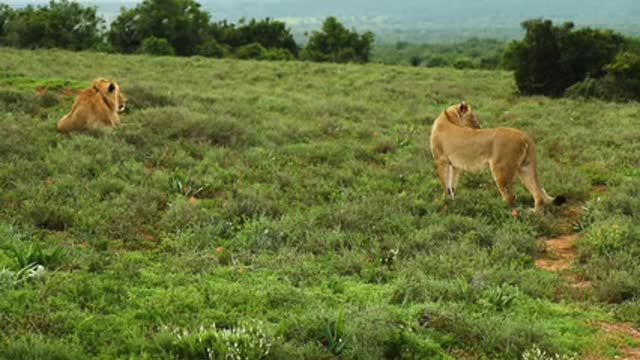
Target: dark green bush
pixel 250 51
pixel 552 58
pixel 156 46
pixel 211 48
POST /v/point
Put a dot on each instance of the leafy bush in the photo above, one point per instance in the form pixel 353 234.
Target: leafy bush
pixel 621 82
pixel 463 63
pixel 277 54
pixel 156 46
pixel 211 48
pixel 250 51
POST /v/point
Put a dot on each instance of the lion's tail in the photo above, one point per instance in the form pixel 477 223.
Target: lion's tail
pixel 557 201
pixel 534 186
pixel 64 125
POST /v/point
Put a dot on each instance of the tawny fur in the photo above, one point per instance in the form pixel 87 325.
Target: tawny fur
pixel 458 143
pixel 95 108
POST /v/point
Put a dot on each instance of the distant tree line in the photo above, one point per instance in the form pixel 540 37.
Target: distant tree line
pixel 175 27
pixel 473 53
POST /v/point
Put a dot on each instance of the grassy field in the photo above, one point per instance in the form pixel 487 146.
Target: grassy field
pixel 291 210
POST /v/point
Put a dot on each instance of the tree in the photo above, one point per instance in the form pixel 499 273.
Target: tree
pixel 267 33
pixel 624 75
pixel 335 43
pixel 60 24
pixel 551 58
pixel 181 22
pixel 6 12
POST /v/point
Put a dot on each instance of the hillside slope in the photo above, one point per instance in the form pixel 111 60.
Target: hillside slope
pixel 292 209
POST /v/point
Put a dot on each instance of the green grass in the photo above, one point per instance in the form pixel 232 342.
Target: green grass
pixel 291 208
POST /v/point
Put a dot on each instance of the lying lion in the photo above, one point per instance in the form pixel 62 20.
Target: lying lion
pixel 458 143
pixel 95 108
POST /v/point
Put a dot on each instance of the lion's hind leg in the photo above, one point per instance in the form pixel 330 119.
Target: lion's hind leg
pixel 452 180
pixel 503 176
pixel 448 177
pixel 64 124
pixel 529 179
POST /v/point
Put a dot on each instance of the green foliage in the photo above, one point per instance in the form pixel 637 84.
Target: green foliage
pixel 415 60
pixel 6 12
pixel 552 58
pixel 463 63
pixel 30 347
pixel 181 22
pixel 250 51
pixel 34 254
pixel 334 338
pixel 277 55
pixel 335 43
pixel 211 48
pixel 60 24
pixel 271 34
pixel 610 247
pixel 624 72
pixel 156 46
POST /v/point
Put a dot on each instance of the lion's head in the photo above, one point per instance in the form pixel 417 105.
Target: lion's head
pixel 111 92
pixel 469 119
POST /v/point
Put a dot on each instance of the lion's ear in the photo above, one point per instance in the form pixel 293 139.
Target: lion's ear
pixel 464 107
pixel 112 87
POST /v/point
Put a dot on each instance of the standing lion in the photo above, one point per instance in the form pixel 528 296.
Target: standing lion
pixel 95 108
pixel 458 143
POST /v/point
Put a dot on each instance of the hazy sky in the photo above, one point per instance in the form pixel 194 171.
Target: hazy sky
pixel 398 15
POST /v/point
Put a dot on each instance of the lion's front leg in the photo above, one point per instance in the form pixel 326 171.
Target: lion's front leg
pixel 114 121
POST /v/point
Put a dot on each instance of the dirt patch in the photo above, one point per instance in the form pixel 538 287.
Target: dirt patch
pixel 559 253
pixel 623 332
